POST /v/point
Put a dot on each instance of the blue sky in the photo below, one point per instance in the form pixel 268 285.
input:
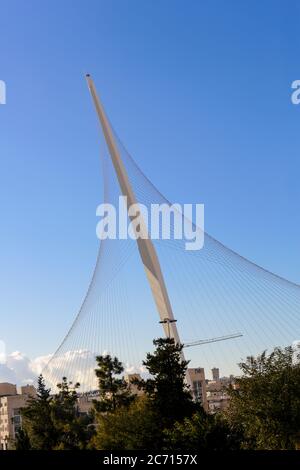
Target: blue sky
pixel 198 91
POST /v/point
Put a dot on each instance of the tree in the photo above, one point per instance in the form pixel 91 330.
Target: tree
pixel 22 440
pixel 128 428
pixel 73 429
pixel 141 424
pixel 113 391
pixel 37 420
pixel 166 389
pixel 54 422
pixel 201 432
pixel 265 406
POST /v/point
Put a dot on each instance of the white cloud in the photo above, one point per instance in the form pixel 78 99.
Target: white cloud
pixel 7 374
pixel 77 366
pixel 17 369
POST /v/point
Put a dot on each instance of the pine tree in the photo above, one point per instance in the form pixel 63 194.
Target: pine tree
pixel 166 388
pixel 74 430
pixel 52 422
pixel 113 390
pixel 22 440
pixel 37 420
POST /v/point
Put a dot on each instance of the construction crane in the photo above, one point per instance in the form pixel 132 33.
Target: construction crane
pixel 167 321
pixel 212 340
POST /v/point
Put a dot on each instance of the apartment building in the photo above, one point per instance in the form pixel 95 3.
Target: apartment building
pixel 216 391
pixel 197 376
pixel 10 418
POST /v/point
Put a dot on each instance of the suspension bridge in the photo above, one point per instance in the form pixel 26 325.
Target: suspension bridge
pixel 139 287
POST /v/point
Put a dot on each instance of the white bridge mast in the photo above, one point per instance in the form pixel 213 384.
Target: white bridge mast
pixel 146 249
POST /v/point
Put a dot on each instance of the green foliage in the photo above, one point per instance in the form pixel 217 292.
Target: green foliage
pixel 166 390
pixel 201 432
pixel 166 400
pixel 113 390
pixel 53 422
pixel 38 421
pixel 265 409
pixel 22 441
pixel 132 428
pixel 73 430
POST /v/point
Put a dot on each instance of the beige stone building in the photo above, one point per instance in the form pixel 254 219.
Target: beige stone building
pixel 215 373
pixel 10 418
pixel 217 398
pixel 217 395
pixel 85 400
pixel 129 379
pixel 197 376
